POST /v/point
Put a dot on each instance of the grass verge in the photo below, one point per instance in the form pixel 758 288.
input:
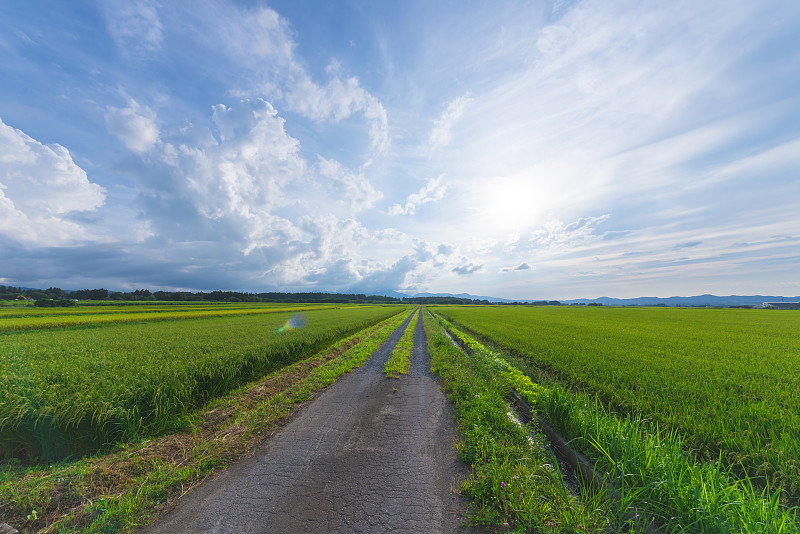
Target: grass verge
pixel 516 484
pixel 399 361
pixel 127 488
pixel 648 465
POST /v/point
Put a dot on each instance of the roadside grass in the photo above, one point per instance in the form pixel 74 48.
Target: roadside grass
pixel 399 361
pixel 129 487
pixel 516 484
pixel 648 464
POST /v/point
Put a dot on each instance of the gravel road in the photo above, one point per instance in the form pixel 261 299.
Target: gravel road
pixel 368 454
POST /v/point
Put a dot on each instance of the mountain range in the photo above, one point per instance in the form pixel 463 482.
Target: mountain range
pixel 696 300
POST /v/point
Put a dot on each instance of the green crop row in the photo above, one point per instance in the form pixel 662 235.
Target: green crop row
pixel 92 309
pixel 103 317
pixel 516 483
pixel 399 361
pixel 650 467
pixel 68 392
pixel 727 380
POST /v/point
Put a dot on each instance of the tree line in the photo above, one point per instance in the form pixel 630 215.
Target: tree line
pixel 54 296
pixel 102 294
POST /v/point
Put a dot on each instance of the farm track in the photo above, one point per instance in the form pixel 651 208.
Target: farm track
pixel 369 454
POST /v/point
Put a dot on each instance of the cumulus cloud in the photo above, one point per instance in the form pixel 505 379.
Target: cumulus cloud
pixel 263 39
pixel 351 188
pixel 40 186
pixel 240 178
pixel 245 185
pixel 337 100
pixel 251 44
pixel 134 125
pixel 333 238
pixel 468 268
pixel 387 277
pixel 444 250
pixel 432 191
pixel 443 126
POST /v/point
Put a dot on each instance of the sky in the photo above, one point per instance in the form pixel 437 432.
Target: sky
pixel 519 149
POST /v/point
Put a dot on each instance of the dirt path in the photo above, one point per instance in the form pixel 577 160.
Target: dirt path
pixel 369 454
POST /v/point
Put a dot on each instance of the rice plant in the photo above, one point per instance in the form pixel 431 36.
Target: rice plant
pixel 649 464
pixel 70 392
pixel 724 379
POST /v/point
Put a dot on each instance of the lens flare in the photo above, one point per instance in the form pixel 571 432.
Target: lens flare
pixel 297 320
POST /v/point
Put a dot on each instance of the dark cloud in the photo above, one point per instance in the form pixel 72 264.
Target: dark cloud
pixel 520 267
pixel 688 244
pixel 387 279
pixel 467 269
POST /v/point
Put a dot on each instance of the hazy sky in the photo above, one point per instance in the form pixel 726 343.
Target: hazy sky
pixel 519 149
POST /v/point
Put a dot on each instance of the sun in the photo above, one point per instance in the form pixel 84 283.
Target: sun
pixel 510 204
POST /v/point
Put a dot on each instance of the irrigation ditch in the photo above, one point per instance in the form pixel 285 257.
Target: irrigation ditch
pixel 578 472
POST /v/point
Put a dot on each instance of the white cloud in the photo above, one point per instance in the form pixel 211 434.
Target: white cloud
pixel 351 188
pixel 442 130
pixel 668 117
pixel 260 33
pixel 520 267
pixel 444 250
pixel 338 100
pixel 254 46
pixel 467 268
pixel 605 80
pixel 244 186
pixel 236 181
pixel 134 125
pixel 432 191
pixel 134 25
pixel 262 40
pixel 40 186
pixel 556 234
pixel 333 238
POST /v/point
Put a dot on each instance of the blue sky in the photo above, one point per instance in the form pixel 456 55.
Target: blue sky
pixel 538 149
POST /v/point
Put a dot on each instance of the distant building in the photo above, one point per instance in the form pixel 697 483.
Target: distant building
pixel 782 305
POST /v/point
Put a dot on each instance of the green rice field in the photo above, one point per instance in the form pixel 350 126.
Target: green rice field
pixel 39 318
pixel 727 380
pixel 75 383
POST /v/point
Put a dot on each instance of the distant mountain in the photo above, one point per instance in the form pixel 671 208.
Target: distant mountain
pixel 697 300
pixel 464 296
pixel 384 293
